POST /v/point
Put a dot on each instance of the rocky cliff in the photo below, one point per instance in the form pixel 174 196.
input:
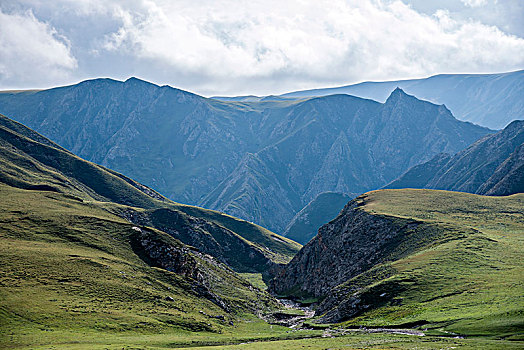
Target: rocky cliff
pixel 405 258
pixel 349 245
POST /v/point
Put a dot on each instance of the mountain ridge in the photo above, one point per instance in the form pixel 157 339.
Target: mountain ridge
pixel 191 149
pixel 474 169
pixel 491 100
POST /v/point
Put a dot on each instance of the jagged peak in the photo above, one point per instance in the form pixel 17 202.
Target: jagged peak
pixel 135 80
pixel 397 95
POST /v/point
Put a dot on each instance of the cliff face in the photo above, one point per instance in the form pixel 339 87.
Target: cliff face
pixel 402 257
pixel 349 245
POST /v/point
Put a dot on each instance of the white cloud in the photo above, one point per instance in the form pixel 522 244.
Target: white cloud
pixel 308 43
pixel 270 46
pixel 32 51
pixel 474 3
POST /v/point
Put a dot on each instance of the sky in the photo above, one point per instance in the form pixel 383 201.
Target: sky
pixel 235 47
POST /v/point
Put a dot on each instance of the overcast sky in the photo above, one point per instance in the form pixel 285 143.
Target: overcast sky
pixel 226 47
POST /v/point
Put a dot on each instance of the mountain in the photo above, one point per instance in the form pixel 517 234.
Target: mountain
pixel 31 162
pixel 493 166
pixel 325 207
pixel 490 100
pixel 508 178
pixel 88 255
pixel 434 260
pixel 259 161
pixel 340 143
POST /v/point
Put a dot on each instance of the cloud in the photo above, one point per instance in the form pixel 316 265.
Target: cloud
pixel 32 52
pixel 474 3
pixel 235 46
pixel 328 41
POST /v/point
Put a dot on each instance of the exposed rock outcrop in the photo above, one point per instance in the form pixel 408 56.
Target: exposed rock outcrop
pixel 349 245
pixel 207 237
pixel 175 258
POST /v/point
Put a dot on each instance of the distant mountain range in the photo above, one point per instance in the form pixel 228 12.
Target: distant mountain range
pixel 260 161
pixel 493 165
pixel 491 100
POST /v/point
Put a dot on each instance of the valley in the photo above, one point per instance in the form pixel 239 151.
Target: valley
pixel 262 175
pixel 90 258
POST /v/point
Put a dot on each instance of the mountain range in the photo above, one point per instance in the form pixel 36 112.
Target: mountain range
pixel 90 258
pixel 491 100
pixel 493 165
pixel 259 161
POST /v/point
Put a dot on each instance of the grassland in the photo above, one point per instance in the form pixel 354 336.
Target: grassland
pixel 72 275
pixel 71 280
pixel 469 281
pixel 69 272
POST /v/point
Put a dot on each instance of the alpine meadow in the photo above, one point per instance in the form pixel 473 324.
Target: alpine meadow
pixel 262 175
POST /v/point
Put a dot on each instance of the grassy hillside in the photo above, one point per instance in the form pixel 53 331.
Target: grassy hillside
pixel 70 269
pixel 78 266
pixel 30 161
pixel 469 280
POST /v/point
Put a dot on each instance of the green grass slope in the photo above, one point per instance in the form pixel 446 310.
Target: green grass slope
pixel 469 279
pixel 69 269
pixel 30 161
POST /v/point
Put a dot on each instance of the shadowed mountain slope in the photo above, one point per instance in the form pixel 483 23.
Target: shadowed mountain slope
pixel 324 208
pixel 260 161
pixel 342 144
pixel 493 166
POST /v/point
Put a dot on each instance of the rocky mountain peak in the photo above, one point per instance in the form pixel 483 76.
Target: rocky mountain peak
pixel 135 80
pixel 397 95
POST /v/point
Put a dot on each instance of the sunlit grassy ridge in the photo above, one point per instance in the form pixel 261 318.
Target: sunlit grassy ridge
pixel 470 281
pixel 30 161
pixel 68 267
